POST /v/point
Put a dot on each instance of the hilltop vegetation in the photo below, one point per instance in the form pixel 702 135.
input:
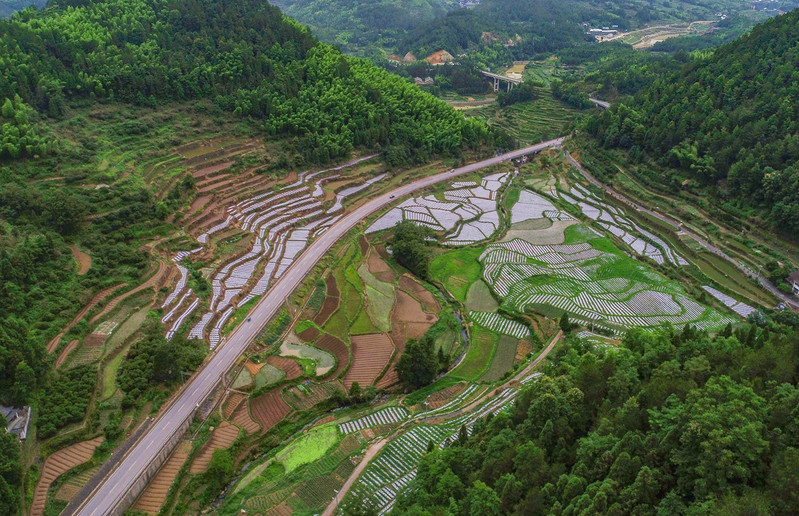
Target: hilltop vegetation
pixel 725 120
pixel 669 423
pixel 244 55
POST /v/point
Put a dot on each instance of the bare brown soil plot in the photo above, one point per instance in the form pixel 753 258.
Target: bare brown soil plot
pixel 388 379
pixel 154 495
pixel 252 367
pixel 363 244
pixel 241 417
pixel 440 398
pixel 418 291
pixel 199 203
pixel 95 340
pixel 409 310
pixel 83 259
pixel 524 347
pixel 337 348
pixel 269 409
pixel 416 330
pixel 308 335
pixel 280 510
pixel 330 303
pixel 232 403
pixel 318 393
pixel 379 268
pixel 408 320
pixel 96 299
pixel 289 366
pixel 370 356
pixel 222 437
pixel 218 183
pixel 57 464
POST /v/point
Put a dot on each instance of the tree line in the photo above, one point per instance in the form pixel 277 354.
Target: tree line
pixel 726 119
pixel 671 422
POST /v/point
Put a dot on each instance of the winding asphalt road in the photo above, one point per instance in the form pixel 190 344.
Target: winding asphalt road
pixel 109 495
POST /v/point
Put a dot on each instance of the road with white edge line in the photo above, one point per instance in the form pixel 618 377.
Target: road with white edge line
pixel 110 492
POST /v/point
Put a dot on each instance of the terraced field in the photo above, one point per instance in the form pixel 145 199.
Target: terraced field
pixel 266 213
pixel 222 437
pixel 311 485
pixel 370 356
pixel 57 464
pixel 529 122
pixel 269 409
pixel 596 285
pixel 395 466
pixel 316 393
pixel 468 213
pixel 154 495
pixel 70 488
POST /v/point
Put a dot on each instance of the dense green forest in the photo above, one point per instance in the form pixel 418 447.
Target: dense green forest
pixel 727 119
pixel 245 55
pixel 671 422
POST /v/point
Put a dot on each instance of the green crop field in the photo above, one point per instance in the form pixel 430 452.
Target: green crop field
pixel 481 349
pixel 243 380
pixel 503 359
pixel 267 375
pixel 593 281
pixel 324 360
pixel 479 297
pixel 457 270
pixel 530 122
pixel 309 447
pixel 363 325
pixel 379 298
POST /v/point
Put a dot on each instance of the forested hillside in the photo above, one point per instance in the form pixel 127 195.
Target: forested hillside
pixel 244 54
pixel 727 120
pixel 669 423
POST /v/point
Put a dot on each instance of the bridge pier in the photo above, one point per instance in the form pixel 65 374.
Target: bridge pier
pixel 496 84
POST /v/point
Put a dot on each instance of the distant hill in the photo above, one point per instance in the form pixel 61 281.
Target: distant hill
pixel 9 7
pixel 357 25
pixel 728 120
pixel 548 25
